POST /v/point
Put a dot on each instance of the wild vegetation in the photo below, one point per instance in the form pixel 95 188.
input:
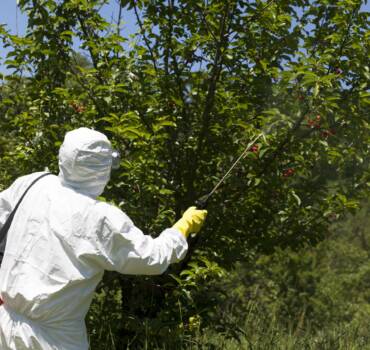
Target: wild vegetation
pixel 283 259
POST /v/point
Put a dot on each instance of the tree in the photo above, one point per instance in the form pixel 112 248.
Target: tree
pixel 199 80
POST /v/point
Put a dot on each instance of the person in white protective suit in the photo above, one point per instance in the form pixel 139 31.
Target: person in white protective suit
pixel 62 239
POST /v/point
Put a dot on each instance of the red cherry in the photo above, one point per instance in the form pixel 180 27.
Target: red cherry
pixel 311 123
pixel 325 134
pixel 314 123
pixel 80 109
pixel 288 172
pixel 254 148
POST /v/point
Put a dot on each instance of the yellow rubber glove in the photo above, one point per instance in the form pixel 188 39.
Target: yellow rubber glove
pixel 191 222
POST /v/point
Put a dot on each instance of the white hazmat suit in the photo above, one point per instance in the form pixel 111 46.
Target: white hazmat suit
pixel 61 241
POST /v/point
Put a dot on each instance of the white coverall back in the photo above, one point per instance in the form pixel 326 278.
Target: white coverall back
pixel 61 241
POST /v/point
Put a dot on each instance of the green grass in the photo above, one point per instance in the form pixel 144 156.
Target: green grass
pixel 337 338
pixel 259 332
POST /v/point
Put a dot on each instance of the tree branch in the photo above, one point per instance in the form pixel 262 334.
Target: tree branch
pixel 89 36
pixel 147 43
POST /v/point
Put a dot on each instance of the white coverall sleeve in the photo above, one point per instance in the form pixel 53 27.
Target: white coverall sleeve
pixel 5 206
pixel 7 201
pixel 127 250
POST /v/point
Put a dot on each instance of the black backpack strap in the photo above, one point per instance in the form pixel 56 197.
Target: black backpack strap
pixel 4 230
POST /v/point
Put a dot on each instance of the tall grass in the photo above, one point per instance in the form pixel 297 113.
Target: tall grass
pixel 258 331
pixel 340 337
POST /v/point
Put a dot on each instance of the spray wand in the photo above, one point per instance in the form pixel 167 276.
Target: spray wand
pixel 202 202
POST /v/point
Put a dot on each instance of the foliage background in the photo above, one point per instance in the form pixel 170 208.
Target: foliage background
pixel 181 99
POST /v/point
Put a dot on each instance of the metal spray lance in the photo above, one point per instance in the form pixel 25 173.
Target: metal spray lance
pixel 201 203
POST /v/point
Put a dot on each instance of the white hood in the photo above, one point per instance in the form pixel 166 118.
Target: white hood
pixel 85 160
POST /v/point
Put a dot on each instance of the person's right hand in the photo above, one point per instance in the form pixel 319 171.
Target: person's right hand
pixel 191 221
